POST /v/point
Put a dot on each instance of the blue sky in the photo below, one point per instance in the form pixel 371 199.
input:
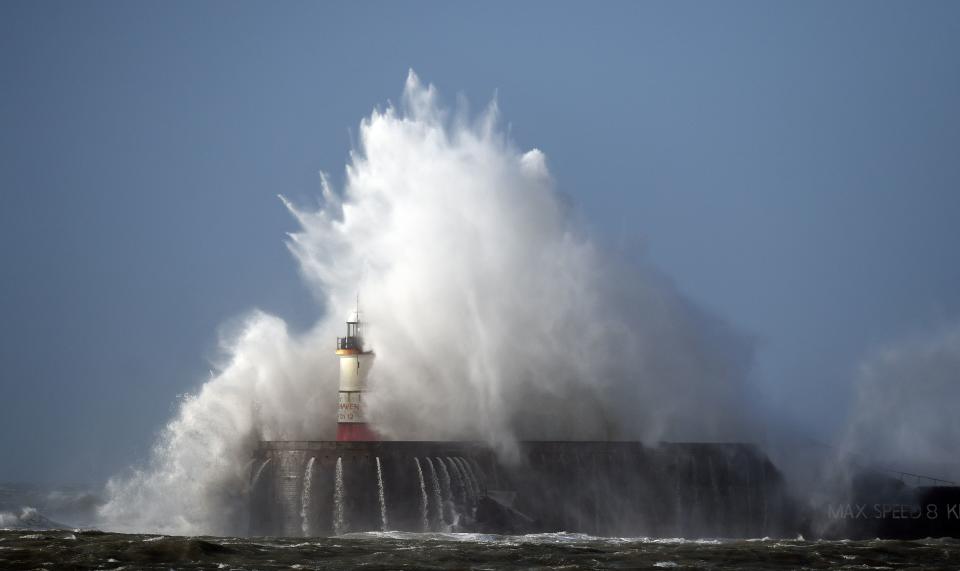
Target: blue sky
pixel 792 166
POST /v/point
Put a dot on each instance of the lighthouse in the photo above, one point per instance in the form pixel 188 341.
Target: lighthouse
pixel 355 363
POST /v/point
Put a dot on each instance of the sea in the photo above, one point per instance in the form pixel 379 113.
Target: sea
pixel 34 538
pixel 91 549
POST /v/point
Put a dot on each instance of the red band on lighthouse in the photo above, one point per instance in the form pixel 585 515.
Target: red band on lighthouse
pixel 355 432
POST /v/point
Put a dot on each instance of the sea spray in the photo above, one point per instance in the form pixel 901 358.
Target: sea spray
pixel 305 500
pixel 423 497
pixel 256 477
pixel 381 497
pixel 246 468
pixel 716 504
pixel 339 511
pixel 460 486
pixel 470 479
pixel 904 407
pixel 479 475
pixel 437 498
pixel 447 494
pixel 596 496
pixel 680 513
pixel 194 482
pixel 464 480
pixel 456 240
pixel 608 345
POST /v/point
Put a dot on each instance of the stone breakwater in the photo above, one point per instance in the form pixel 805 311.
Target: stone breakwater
pixel 622 489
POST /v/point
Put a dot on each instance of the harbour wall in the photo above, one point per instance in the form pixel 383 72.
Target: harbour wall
pixel 625 489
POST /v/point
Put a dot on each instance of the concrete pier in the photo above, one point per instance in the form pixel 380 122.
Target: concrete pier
pixel 599 488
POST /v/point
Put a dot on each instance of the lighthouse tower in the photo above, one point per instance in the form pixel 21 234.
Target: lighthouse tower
pixel 355 363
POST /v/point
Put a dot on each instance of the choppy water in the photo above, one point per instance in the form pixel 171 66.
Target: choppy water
pixel 29 549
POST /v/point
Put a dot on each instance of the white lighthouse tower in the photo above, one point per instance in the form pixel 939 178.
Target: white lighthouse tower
pixel 355 363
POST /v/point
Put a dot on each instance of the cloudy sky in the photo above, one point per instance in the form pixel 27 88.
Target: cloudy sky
pixel 791 166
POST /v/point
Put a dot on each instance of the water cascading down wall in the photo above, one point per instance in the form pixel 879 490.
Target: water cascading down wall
pixel 599 488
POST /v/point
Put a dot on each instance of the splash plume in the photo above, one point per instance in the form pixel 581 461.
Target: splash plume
pixel 904 412
pixel 493 316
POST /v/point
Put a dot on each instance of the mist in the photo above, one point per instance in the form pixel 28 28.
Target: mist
pixel 493 314
pixel 904 416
